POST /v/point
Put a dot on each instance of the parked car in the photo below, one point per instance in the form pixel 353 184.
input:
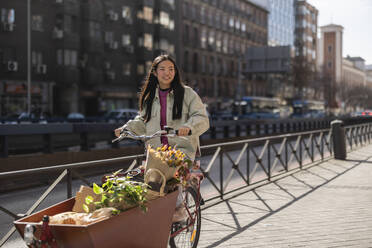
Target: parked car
pixel 365 113
pixel 120 115
pixel 75 117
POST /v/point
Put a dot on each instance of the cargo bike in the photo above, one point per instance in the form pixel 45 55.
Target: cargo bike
pixel 132 228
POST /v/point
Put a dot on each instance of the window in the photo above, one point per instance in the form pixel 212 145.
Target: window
pixel 195 63
pixel 329 48
pixel 164 44
pixel 171 3
pixel 218 42
pixel 7 15
pixel 202 14
pixel 203 63
pixel 66 57
pixel 146 14
pixel 70 58
pixel 196 37
pixel 126 14
pixel 148 65
pixel 329 64
pixel 140 69
pixel 125 40
pixel 95 30
pixel 203 38
pixel 211 65
pixel 36 58
pixel 109 37
pixel 186 34
pixel 126 69
pixel 148 41
pixel 164 18
pixel 231 22
pixel 37 23
pixel 211 39
pixel 186 61
pixel 70 24
pixel 225 44
pixel 59 57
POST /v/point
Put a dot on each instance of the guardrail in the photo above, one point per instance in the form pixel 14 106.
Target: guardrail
pixel 48 138
pixel 274 155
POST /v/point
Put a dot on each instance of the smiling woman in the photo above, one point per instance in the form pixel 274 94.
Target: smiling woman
pixel 165 101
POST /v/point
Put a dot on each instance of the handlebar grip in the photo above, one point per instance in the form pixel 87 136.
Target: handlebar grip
pixel 187 134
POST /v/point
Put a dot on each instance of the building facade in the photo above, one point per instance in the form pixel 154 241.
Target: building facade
pixel 273 64
pixel 306 32
pixel 88 56
pixel 353 72
pixel 330 62
pixel 214 36
pixel 281 23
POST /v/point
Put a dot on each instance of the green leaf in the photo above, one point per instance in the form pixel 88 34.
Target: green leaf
pixel 86 208
pixel 97 189
pixel 89 199
pixel 115 212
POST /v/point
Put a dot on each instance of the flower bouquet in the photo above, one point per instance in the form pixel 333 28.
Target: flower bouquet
pixel 171 162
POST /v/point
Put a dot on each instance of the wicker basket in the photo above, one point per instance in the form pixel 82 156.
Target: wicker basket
pixel 154 162
pixel 152 194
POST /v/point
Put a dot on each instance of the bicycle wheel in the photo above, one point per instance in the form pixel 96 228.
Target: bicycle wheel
pixel 188 230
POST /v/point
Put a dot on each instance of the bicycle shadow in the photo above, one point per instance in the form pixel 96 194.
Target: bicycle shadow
pixel 284 191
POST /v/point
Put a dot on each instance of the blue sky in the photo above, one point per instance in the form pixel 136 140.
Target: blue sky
pixel 356 18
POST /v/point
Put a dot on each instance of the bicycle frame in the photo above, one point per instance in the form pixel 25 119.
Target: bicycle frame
pixel 192 216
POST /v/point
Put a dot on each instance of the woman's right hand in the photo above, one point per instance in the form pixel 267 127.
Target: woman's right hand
pixel 118 131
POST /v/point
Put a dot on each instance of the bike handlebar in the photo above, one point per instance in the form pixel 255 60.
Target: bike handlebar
pixel 167 132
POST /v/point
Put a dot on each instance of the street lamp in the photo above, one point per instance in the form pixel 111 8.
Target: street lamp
pixel 29 57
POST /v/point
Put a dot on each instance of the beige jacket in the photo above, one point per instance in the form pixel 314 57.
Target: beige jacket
pixel 194 116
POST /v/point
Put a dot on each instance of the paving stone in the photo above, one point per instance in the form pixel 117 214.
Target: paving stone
pixel 326 205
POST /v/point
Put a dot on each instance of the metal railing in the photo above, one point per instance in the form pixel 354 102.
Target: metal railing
pixel 251 161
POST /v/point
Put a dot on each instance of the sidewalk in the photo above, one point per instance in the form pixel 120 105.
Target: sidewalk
pixel 326 205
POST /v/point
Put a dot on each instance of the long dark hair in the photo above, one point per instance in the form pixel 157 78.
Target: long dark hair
pixel 148 90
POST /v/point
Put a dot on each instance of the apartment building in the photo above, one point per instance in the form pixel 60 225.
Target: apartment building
pixel 306 32
pixel 214 37
pixel 88 56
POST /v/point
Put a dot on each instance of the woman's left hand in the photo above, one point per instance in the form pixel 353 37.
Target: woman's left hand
pixel 183 131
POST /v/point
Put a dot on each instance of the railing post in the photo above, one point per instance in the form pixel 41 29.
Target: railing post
pixel 300 152
pixel 258 129
pixel 84 145
pixel 213 132
pixel 266 128
pixel 338 138
pixel 69 183
pixel 221 172
pixel 248 166
pixel 237 130
pixel 268 161
pixel 48 141
pixel 248 127
pixel 5 146
pixel 226 131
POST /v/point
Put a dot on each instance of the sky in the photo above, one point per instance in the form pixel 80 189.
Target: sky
pixel 356 18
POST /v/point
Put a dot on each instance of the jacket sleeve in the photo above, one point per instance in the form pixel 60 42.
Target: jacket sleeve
pixel 137 125
pixel 198 120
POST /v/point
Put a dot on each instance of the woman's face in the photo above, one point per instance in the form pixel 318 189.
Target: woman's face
pixel 165 73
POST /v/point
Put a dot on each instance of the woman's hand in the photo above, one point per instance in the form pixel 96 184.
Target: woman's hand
pixel 118 131
pixel 183 131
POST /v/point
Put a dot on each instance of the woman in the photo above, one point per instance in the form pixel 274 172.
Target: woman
pixel 166 101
